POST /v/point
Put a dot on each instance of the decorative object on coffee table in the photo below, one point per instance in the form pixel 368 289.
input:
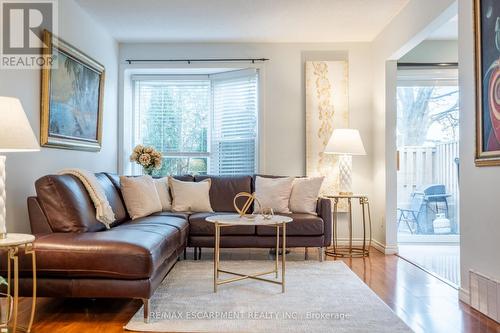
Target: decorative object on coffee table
pixel 16 135
pixel 346 143
pixel 147 157
pixel 267 213
pixel 251 198
pixel 13 244
pixel 350 250
pixel 227 221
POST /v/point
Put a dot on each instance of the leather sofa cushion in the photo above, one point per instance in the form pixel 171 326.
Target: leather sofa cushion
pixel 68 207
pixel 114 197
pixel 199 227
pixel 133 250
pixel 180 221
pixel 66 204
pixel 302 225
pixel 224 189
pixel 181 215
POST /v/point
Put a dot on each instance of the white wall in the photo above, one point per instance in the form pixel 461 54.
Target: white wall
pixel 284 97
pixel 409 28
pixel 433 51
pixel 78 29
pixel 479 218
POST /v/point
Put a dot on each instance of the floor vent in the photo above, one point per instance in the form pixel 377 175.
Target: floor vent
pixel 485 295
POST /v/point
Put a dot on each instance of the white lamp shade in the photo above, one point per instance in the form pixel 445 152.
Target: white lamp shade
pixel 345 141
pixel 15 130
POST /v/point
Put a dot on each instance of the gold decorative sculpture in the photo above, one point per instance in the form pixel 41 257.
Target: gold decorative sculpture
pixel 248 203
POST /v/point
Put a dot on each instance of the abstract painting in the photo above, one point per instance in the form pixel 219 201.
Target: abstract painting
pixel 72 93
pixel 326 109
pixel 487 42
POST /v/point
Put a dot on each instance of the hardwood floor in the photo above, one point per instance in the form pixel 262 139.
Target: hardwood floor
pixel 424 302
pixel 443 260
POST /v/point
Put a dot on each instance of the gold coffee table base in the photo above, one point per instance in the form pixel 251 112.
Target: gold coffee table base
pixel 255 276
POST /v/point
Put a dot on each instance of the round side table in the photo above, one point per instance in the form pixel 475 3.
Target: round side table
pixel 13 243
pixel 350 250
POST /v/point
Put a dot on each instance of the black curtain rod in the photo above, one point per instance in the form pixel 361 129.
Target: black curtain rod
pixel 253 60
pixel 427 64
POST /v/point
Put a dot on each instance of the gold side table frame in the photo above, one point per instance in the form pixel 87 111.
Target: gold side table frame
pixel 13 244
pixel 281 223
pixel 351 251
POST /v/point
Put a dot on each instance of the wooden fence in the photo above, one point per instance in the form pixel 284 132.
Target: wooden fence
pixel 421 166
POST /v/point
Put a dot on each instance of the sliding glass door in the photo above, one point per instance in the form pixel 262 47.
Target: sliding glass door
pixel 428 193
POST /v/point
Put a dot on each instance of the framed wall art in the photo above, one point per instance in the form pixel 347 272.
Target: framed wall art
pixel 487 47
pixel 327 107
pixel 72 98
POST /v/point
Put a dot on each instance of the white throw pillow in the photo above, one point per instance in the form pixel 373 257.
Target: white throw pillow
pixel 190 196
pixel 273 193
pixel 140 196
pixel 161 185
pixel 304 197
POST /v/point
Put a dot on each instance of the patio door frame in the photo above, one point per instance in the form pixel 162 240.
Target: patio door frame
pixel 415 67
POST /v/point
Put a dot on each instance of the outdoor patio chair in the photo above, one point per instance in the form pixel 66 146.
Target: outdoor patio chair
pixel 411 214
pixel 429 196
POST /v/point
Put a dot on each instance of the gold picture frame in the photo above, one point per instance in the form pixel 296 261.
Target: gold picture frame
pixel 487 83
pixel 72 93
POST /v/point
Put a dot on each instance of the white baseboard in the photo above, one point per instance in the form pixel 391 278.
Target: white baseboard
pixel 384 248
pixel 464 296
pixel 375 244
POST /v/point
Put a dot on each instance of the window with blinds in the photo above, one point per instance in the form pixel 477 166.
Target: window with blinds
pixel 234 131
pixel 202 124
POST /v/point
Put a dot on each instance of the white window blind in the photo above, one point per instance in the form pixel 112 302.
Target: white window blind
pixel 234 130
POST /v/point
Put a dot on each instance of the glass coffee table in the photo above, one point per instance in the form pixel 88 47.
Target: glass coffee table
pixel 227 221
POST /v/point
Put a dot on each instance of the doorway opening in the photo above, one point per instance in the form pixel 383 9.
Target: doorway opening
pixel 428 159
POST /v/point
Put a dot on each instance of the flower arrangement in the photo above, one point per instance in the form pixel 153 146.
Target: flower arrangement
pixel 147 157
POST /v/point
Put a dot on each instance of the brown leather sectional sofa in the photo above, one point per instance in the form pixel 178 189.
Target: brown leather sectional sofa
pixel 78 257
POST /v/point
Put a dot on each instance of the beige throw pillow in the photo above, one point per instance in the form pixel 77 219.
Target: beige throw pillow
pixel 190 196
pixel 161 185
pixel 304 197
pixel 273 193
pixel 140 196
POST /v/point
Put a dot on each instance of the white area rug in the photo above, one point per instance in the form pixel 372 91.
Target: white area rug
pixel 320 297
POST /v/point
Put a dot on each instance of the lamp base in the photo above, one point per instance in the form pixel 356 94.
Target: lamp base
pixel 345 172
pixel 3 235
pixel 340 193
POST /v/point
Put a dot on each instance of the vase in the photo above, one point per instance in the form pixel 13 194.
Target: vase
pixel 148 171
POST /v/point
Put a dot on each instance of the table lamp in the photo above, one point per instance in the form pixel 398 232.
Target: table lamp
pixel 16 135
pixel 346 143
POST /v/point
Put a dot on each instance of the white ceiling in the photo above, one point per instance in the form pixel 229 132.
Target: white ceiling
pixel 243 20
pixel 448 31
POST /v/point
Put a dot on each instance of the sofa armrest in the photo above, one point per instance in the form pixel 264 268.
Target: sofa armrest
pixel 38 220
pixel 324 210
